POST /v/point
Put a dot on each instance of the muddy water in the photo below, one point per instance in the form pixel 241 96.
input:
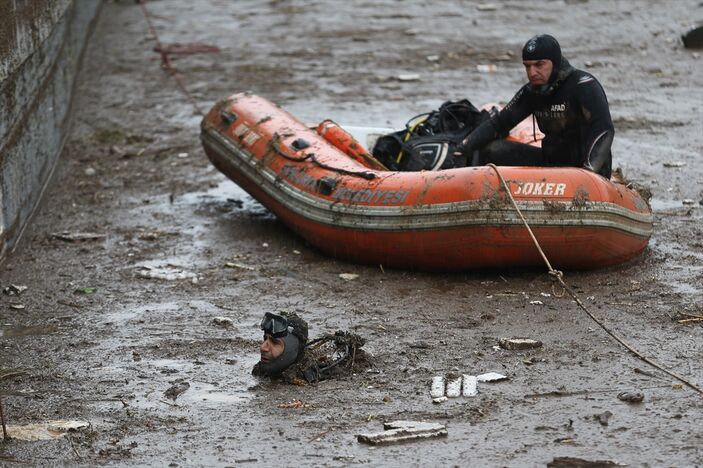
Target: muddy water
pixel 110 357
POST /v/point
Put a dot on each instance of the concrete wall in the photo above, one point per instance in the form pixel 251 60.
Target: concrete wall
pixel 40 48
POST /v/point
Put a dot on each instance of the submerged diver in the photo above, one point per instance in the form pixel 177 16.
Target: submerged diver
pixel 571 110
pixel 287 354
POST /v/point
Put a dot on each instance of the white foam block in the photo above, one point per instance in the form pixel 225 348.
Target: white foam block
pixel 469 388
pixel 437 389
pixel 454 387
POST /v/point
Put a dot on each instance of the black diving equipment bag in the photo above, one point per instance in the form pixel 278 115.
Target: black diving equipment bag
pixel 430 140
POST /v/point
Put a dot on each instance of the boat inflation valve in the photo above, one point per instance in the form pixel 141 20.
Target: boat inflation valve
pixel 300 144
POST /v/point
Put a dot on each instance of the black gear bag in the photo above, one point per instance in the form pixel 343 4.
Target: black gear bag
pixel 430 140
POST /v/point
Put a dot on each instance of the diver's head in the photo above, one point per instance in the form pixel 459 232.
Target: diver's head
pixel 541 57
pixel 284 341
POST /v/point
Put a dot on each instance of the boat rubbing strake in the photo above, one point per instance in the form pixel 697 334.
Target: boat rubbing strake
pixel 340 201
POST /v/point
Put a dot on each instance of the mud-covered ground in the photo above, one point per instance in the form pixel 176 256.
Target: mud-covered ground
pixel 134 171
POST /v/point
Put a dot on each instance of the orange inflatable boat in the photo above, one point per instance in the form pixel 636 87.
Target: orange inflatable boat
pixel 327 188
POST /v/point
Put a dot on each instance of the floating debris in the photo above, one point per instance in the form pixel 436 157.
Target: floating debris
pixel 454 387
pixel 491 377
pixel 398 431
pixel 437 389
pixel 603 417
pixel 674 164
pixel 86 290
pixel 631 397
pixel 14 289
pixel 408 77
pixel 295 404
pixel 224 322
pixel 519 343
pixel 77 236
pixel 470 386
pixel 536 303
pixel 167 274
pixel 490 68
pixel 571 462
pixel 45 431
pixel 348 276
pixel 241 266
pixel 487 7
pixel 176 390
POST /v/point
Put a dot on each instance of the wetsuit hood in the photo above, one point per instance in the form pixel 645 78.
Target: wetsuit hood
pixel 546 47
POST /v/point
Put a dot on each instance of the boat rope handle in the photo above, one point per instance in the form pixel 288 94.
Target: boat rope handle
pixel 311 156
pixel 557 275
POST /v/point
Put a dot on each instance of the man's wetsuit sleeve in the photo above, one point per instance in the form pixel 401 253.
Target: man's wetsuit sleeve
pixel 598 127
pixel 517 109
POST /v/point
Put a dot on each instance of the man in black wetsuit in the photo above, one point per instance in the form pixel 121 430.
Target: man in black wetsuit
pixel 569 106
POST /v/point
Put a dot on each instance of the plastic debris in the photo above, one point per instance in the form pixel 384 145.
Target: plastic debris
pixel 14 289
pixel 487 7
pixel 89 171
pixel 77 236
pixel 688 201
pixel 489 68
pixel 536 303
pixel 348 276
pixel 674 164
pixel 295 404
pixel 241 266
pixel 454 387
pixel 437 389
pixel 224 322
pixel 571 462
pixel 519 343
pixel 408 77
pixel 17 306
pixel 45 431
pixel 398 431
pixel 85 290
pixel 491 377
pixel 432 58
pixel 631 397
pixel 469 388
pixel 167 274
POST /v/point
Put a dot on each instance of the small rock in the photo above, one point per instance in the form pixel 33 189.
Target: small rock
pixel 631 397
pixel 90 172
pixel 603 417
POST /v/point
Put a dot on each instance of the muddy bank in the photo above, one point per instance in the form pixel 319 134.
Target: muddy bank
pixel 98 340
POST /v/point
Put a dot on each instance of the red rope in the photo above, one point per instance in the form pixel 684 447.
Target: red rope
pixel 166 61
